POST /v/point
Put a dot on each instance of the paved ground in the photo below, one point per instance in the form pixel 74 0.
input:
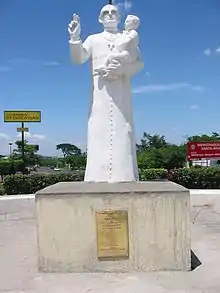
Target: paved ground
pixel 18 257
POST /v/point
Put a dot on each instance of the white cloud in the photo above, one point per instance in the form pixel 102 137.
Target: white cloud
pixel 127 5
pixel 4 136
pixel 51 63
pixel 123 6
pixel 151 88
pixel 32 62
pixel 208 52
pixel 5 68
pixel 38 136
pixel 194 107
pixel 23 62
pixel 28 135
pixel 217 50
pixel 47 145
pixel 174 128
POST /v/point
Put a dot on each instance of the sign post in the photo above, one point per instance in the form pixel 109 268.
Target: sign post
pixel 22 116
pixel 22 141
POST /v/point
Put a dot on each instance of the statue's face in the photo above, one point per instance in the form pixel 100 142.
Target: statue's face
pixel 109 16
pixel 132 22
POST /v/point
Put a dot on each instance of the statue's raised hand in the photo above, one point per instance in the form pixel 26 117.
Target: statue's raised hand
pixel 74 28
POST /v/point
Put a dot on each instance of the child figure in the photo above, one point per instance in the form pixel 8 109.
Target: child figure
pixel 125 50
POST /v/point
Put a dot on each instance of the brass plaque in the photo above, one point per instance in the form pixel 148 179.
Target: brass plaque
pixel 112 234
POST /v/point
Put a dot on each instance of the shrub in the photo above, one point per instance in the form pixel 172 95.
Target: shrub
pixel 28 184
pixel 196 178
pixel 153 174
pixel 192 178
pixel 2 191
pixel 11 166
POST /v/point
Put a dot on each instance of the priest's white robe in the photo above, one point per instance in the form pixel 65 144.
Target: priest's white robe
pixel 111 147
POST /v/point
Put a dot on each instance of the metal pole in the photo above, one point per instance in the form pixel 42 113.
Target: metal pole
pixel 110 2
pixel 10 148
pixel 22 140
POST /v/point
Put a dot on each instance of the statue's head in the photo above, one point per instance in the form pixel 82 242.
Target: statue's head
pixel 109 16
pixel 132 22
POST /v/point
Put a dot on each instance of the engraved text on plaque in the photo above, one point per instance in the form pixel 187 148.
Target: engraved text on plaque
pixel 112 234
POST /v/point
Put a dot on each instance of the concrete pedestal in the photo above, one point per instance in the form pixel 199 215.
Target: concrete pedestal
pixel 158 226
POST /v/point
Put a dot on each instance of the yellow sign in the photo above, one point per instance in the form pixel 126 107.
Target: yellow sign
pixel 22 116
pixel 24 129
pixel 112 235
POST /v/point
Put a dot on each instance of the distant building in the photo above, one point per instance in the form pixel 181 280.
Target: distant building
pixel 206 162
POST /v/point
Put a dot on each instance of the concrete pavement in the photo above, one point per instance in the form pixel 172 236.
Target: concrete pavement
pixel 18 256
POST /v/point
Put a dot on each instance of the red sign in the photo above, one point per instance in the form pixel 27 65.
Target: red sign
pixel 203 150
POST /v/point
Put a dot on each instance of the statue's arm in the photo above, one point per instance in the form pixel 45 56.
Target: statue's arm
pixel 80 52
pixel 133 68
pixel 131 40
pixel 128 69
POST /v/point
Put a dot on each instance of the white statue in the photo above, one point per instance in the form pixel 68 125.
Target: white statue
pixel 111 147
pixel 125 50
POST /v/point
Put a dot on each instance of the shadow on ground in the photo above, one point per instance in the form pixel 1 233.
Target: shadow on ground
pixel 195 262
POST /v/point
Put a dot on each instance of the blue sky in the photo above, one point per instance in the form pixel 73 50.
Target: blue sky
pixel 177 93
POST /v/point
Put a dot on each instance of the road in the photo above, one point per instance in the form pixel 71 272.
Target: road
pixel 47 170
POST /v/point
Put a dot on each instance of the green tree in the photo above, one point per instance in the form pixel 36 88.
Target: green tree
pixel 169 157
pixel 48 161
pixel 215 136
pixel 76 162
pixel 68 149
pixel 155 152
pixel 30 153
pixel 151 158
pixel 10 166
pixel 173 156
pixel 149 141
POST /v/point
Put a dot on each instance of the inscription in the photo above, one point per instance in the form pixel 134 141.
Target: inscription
pixel 112 234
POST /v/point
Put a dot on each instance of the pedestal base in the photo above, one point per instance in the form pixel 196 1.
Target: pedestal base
pixel 113 227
